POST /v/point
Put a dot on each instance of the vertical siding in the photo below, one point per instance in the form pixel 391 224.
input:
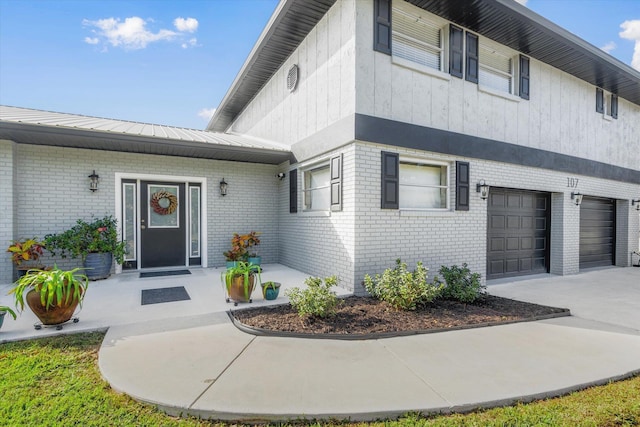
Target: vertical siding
pixel 559 117
pixel 326 83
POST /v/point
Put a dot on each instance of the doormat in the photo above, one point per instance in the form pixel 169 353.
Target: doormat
pixel 156 296
pixel 163 273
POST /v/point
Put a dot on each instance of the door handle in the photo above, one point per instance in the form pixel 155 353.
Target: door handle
pixel 142 227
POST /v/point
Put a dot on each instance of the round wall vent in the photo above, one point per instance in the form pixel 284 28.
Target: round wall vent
pixel 292 78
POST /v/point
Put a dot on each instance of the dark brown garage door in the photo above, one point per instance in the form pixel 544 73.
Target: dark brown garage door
pixel 597 232
pixel 517 233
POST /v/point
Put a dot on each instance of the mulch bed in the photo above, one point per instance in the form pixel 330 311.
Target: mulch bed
pixel 365 316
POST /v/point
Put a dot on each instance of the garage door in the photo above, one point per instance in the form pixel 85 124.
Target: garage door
pixel 597 232
pixel 517 233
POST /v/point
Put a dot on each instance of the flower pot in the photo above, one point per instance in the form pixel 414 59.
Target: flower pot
pixel 2 314
pixel 98 265
pixel 231 264
pixel 269 293
pixel 255 260
pixel 54 315
pixel 236 289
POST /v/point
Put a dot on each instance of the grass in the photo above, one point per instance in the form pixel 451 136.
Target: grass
pixel 55 381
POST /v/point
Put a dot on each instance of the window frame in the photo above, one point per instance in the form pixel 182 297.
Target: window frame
pixel 306 192
pixel 485 44
pixel 406 160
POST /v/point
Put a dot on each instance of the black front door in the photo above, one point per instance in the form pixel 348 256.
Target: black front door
pixel 162 224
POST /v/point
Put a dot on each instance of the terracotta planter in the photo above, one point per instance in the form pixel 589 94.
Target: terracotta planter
pixel 56 314
pixel 236 290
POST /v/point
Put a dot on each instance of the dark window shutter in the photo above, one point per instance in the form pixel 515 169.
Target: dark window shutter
pixel 614 106
pixel 456 54
pixel 472 58
pixel 336 183
pixel 293 191
pixel 390 180
pixel 382 26
pixel 524 77
pixel 462 186
pixel 599 100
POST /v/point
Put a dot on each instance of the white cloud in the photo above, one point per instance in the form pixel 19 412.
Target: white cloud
pixel 522 2
pixel 631 31
pixel 130 34
pixel 133 33
pixel 191 43
pixel 608 47
pixel 206 113
pixel 189 25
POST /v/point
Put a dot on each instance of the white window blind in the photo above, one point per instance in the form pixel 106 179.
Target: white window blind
pixel 423 186
pixel 415 38
pixel 316 189
pixel 496 69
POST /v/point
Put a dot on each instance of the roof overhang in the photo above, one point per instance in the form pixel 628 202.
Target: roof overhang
pixel 504 21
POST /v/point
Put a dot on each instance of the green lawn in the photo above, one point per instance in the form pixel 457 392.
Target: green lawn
pixel 55 381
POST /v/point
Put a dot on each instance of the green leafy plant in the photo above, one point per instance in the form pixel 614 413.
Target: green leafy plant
pixel 461 284
pixel 240 246
pixel 317 299
pixel 5 309
pixel 242 269
pixel 25 250
pixel 403 289
pixel 98 236
pixel 55 286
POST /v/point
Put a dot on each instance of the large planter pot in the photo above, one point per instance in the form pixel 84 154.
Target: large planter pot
pixel 98 265
pixel 236 290
pixel 54 315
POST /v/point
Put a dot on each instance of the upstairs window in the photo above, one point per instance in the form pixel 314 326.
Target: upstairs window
pixel 496 69
pixel 606 103
pixel 415 37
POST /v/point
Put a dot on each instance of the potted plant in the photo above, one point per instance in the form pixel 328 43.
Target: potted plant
pixel 239 281
pixel 240 249
pixel 3 311
pixel 96 242
pixel 25 254
pixel 52 295
pixel 270 290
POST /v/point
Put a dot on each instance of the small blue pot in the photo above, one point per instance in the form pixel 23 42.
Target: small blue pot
pixel 270 293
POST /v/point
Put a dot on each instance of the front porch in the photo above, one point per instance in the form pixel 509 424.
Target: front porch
pixel 117 301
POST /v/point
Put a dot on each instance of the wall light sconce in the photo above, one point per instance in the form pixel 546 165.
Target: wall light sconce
pixel 223 188
pixel 93 184
pixel 281 175
pixel 483 189
pixel 636 203
pixel 577 198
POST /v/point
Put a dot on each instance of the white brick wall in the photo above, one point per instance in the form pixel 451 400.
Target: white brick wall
pixel 7 207
pixel 53 192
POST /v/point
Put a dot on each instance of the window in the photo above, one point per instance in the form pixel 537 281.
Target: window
pixel 316 188
pixel 423 185
pixel 496 69
pixel 416 38
pixel 606 103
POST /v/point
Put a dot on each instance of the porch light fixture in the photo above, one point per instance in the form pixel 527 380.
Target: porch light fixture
pixel 281 175
pixel 95 178
pixel 577 198
pixel 483 189
pixel 223 188
pixel 636 203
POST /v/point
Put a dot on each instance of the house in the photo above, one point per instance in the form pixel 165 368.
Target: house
pixel 358 132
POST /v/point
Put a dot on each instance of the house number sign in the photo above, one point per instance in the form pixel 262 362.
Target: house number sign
pixel 572 182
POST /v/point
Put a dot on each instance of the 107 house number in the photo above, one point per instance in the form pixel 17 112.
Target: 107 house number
pixel 572 182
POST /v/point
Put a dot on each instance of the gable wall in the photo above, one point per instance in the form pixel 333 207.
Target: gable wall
pixel 326 84
pixel 559 117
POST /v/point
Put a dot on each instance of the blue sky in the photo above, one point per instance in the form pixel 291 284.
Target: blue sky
pixel 171 62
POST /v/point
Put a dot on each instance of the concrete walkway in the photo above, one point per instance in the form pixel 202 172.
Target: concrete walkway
pixel 202 365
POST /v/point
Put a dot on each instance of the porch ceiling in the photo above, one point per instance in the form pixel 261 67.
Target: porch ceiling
pixel 27 126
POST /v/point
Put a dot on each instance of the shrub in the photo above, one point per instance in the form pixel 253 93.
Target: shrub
pixel 317 300
pixel 401 288
pixel 460 284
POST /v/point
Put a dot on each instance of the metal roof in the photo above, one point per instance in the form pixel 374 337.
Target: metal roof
pixel 39 127
pixel 504 21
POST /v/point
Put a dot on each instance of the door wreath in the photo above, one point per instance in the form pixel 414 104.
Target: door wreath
pixel 164 203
